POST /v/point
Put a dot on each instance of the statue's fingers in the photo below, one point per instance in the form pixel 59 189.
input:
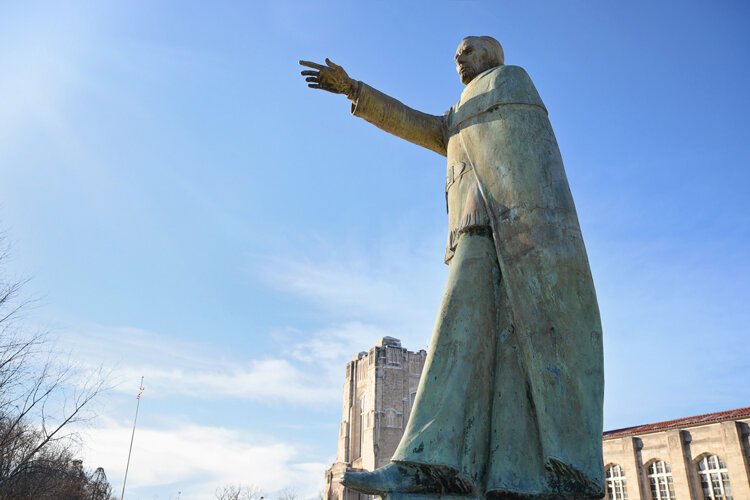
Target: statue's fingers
pixel 308 72
pixel 311 64
pixel 314 85
pixel 312 79
pixel 332 64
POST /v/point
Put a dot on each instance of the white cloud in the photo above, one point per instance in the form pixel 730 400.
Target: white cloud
pixel 198 459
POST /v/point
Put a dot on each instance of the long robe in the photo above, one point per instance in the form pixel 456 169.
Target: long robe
pixel 540 433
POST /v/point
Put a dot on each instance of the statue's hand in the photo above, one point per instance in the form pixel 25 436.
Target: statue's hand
pixel 332 78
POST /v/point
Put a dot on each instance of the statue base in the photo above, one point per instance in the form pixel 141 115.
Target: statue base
pixel 509 496
pixel 427 496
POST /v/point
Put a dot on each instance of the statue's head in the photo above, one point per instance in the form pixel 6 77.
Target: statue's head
pixel 476 54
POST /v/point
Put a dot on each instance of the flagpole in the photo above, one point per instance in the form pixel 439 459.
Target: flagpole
pixel 138 404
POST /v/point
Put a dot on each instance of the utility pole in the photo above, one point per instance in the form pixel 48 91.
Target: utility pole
pixel 132 436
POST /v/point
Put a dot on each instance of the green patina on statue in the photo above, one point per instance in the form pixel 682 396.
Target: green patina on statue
pixel 510 400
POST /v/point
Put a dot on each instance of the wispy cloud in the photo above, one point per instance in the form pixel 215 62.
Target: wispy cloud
pixel 266 380
pixel 301 373
pixel 663 308
pixel 334 344
pixel 390 291
pixel 396 287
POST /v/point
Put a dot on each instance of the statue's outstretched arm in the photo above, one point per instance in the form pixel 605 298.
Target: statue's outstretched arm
pixel 379 109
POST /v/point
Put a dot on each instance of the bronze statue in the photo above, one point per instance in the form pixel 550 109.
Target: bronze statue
pixel 510 400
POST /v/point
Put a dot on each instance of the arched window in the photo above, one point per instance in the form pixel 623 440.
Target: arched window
pixel 616 483
pixel 714 478
pixel 660 480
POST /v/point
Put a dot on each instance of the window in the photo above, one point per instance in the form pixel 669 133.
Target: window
pixel 616 483
pixel 392 418
pixel 660 481
pixel 363 414
pixel 393 356
pixel 714 478
pixel 362 422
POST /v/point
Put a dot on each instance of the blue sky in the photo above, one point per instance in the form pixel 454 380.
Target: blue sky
pixel 190 211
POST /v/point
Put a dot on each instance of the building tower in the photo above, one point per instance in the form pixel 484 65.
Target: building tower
pixel 379 392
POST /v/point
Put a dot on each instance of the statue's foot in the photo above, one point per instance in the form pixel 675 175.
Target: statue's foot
pixel 406 477
pixel 570 482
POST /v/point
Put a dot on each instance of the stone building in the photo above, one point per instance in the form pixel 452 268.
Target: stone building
pixel 705 457
pixel 379 392
pixel 696 458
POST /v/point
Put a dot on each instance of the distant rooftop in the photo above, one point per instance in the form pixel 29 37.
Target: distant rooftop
pixel 680 423
pixel 384 342
pixel 388 341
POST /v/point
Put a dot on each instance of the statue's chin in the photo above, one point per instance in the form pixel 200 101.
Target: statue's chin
pixel 466 78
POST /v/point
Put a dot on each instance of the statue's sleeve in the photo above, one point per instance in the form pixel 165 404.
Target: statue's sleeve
pixel 396 118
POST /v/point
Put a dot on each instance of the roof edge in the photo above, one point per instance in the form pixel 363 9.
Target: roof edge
pixel 707 418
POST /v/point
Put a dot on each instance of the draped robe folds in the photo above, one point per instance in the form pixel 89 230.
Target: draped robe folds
pixel 543 424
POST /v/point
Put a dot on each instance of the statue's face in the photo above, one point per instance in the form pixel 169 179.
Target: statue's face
pixel 471 59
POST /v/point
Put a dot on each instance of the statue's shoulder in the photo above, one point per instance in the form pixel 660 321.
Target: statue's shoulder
pixel 509 72
pixel 510 69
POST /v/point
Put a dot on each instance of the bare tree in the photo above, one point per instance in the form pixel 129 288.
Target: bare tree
pixel 238 492
pixel 56 475
pixel 40 399
pixel 287 494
